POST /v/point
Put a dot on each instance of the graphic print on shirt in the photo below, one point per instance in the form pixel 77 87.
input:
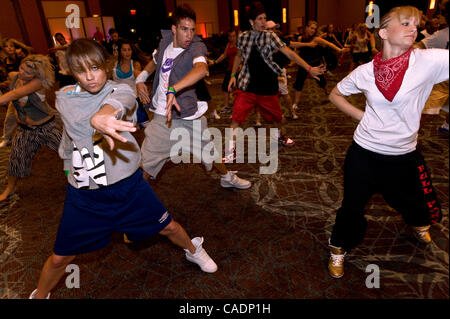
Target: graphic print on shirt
pixel 165 73
pixel 85 167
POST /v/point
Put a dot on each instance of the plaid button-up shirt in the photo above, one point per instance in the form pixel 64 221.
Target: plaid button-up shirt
pixel 266 42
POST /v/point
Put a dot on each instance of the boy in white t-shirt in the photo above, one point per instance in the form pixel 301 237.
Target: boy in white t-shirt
pixel 179 62
pixel 383 156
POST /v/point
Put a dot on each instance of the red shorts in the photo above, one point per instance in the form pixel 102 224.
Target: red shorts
pixel 245 102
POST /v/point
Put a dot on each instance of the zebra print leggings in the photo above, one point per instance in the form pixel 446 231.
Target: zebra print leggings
pixel 27 142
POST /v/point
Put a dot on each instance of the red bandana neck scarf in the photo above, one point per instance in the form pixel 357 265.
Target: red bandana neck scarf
pixel 389 74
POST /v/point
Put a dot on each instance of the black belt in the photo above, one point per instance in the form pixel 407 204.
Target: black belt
pixel 32 127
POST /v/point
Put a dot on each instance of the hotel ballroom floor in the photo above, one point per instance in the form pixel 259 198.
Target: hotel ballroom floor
pixel 269 241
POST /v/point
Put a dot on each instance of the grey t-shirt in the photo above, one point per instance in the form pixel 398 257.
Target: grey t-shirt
pixel 86 154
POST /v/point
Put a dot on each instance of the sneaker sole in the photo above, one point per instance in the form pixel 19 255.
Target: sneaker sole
pixel 336 277
pixel 207 271
pixel 233 186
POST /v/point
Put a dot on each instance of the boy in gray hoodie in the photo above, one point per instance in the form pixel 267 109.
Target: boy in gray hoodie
pixel 106 191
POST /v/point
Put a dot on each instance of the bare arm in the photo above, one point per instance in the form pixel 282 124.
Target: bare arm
pixel 236 64
pixel 197 73
pixel 222 56
pixel 314 71
pixel 141 88
pixel 137 68
pixel 345 106
pixel 372 43
pixel 294 44
pixel 326 43
pixel 337 41
pixel 32 86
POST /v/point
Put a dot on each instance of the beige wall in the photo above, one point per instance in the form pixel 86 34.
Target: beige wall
pixel 57 9
pixel 296 14
pixel 206 11
pixel 341 13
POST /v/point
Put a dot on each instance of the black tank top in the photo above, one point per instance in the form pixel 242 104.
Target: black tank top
pixel 310 55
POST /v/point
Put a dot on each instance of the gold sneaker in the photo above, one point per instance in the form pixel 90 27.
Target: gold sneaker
pixel 126 240
pixel 336 262
pixel 422 234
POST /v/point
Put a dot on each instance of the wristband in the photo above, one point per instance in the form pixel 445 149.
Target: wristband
pixel 170 92
pixel 66 172
pixel 142 77
pixel 171 89
pixel 233 75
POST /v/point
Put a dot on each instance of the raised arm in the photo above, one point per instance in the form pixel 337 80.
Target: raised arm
pixel 345 106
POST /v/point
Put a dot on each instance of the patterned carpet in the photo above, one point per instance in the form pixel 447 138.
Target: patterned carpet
pixel 269 241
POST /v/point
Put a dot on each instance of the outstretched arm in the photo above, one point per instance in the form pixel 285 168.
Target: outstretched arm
pixel 326 43
pixel 222 56
pixel 314 71
pixel 345 106
pixel 197 73
pixel 32 86
pixel 107 123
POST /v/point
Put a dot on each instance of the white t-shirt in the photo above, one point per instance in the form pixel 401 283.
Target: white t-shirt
pixel 159 100
pixel 439 39
pixel 391 128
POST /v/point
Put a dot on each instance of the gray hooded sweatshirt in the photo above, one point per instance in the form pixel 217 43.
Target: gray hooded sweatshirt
pixel 86 154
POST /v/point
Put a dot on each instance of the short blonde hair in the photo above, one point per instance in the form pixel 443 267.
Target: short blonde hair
pixel 400 13
pixel 397 13
pixel 42 67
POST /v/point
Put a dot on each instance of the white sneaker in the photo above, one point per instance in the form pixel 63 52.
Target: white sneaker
pixel 208 166
pixel 5 143
pixel 201 257
pixel 215 116
pixel 33 295
pixel 232 180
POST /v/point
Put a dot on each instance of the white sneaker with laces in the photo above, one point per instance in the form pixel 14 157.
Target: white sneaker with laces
pixel 232 180
pixel 201 257
pixel 33 295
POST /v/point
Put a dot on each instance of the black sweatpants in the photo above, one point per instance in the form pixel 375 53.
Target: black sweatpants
pixel 403 181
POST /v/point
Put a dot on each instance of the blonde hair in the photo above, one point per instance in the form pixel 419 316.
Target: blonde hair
pixel 400 13
pixel 42 69
pixel 396 13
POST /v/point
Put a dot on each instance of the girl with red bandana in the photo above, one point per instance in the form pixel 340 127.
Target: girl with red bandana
pixel 383 157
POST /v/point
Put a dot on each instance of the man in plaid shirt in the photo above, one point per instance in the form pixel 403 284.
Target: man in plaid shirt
pixel 258 79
